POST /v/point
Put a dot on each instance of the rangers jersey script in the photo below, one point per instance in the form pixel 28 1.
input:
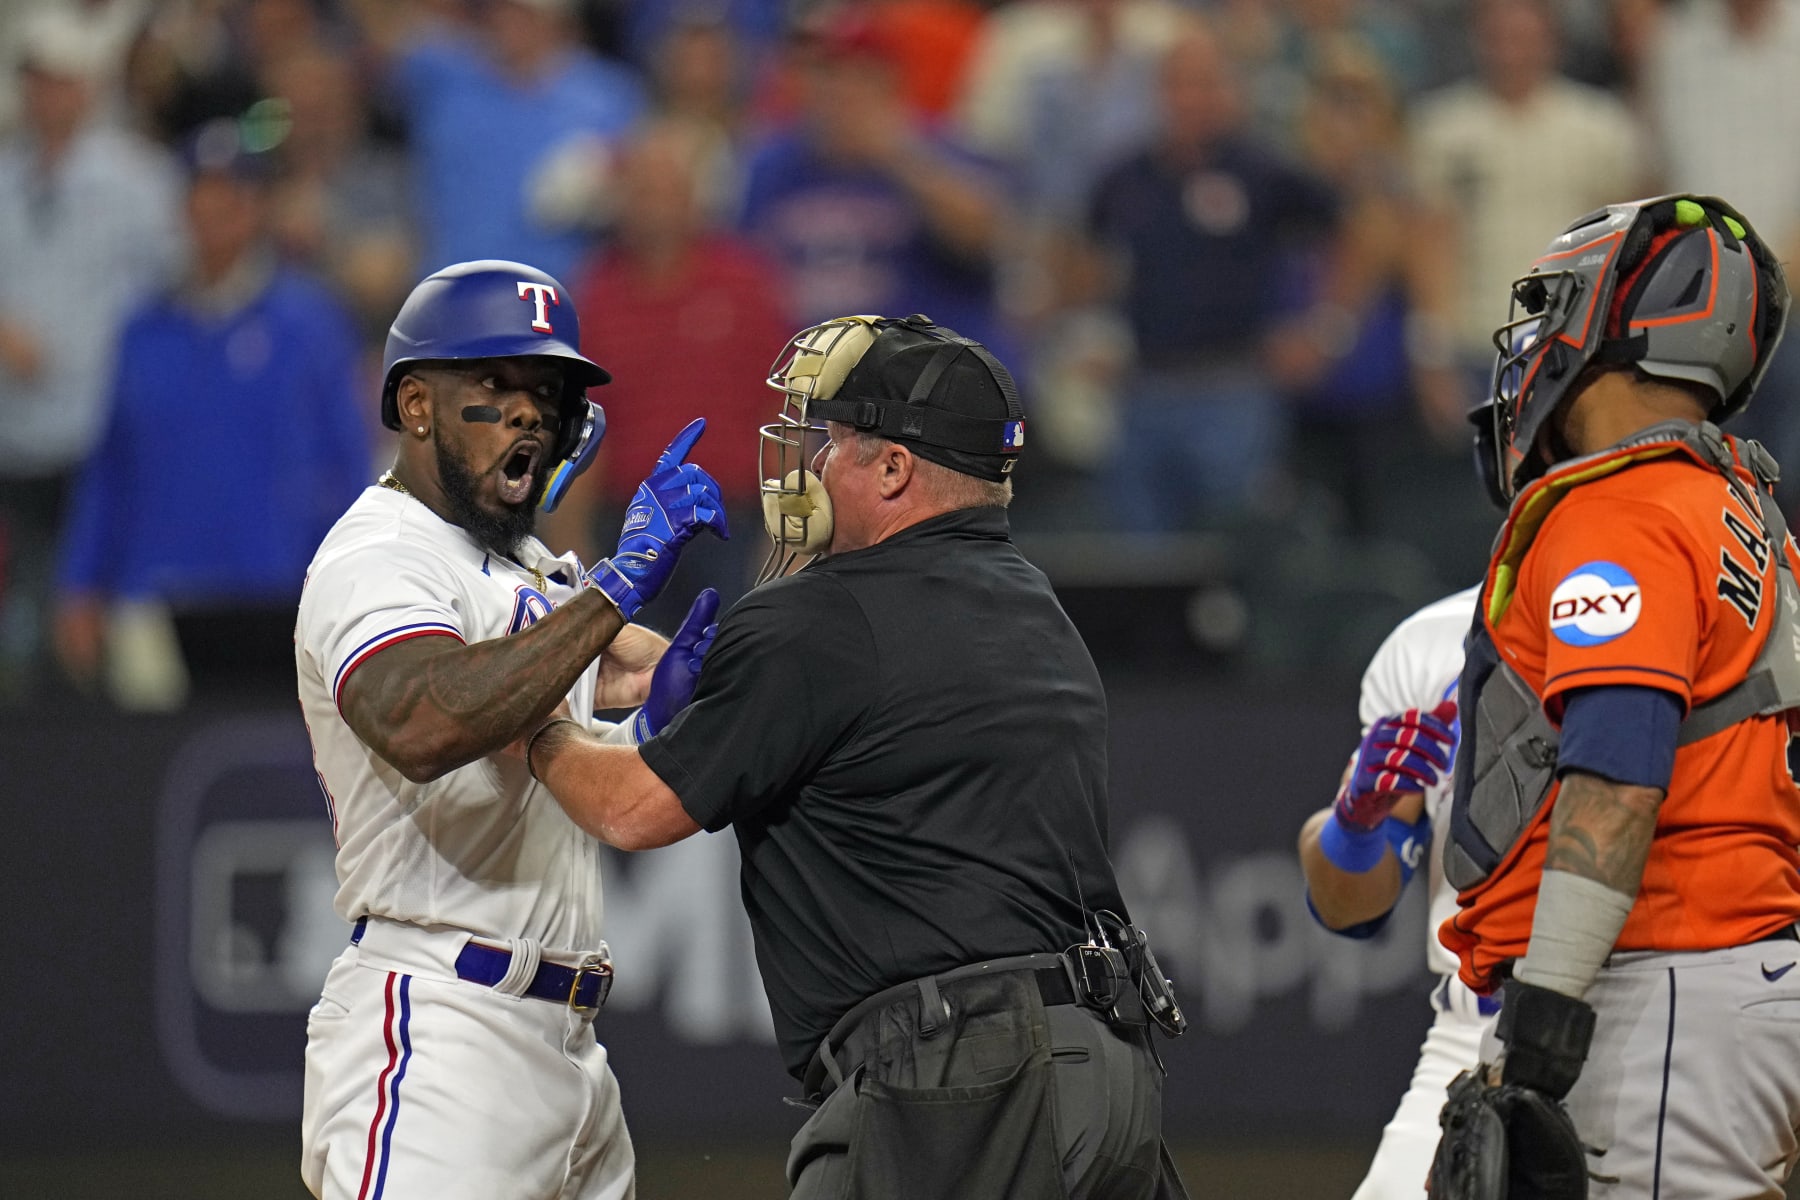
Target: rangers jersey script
pixel 483 848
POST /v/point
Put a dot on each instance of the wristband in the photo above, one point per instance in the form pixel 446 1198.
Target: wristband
pixel 640 728
pixel 616 586
pixel 1357 851
pixel 1574 927
pixel 1410 840
pixel 532 743
pixel 1547 1036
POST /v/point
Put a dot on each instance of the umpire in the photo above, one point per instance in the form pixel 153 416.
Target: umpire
pixel 910 738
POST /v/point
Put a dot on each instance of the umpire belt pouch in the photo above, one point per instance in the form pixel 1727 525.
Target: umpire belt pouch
pixel 967 1111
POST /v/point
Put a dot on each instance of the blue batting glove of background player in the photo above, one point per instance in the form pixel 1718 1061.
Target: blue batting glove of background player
pixel 673 504
pixel 1407 752
pixel 672 683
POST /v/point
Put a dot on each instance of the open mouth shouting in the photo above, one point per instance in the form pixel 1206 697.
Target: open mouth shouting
pixel 518 471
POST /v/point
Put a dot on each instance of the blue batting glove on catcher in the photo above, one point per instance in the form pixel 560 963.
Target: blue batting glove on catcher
pixel 672 683
pixel 674 503
pixel 1407 752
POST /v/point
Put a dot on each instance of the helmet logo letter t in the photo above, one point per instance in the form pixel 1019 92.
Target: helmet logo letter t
pixel 542 297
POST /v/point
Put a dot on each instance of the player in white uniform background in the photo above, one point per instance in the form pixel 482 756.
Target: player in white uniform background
pixel 1398 790
pixel 452 1052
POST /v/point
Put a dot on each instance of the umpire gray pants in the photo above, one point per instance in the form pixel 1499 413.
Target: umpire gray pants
pixel 1692 1085
pixel 1006 1100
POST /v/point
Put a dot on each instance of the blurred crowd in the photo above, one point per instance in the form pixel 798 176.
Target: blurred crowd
pixel 1245 257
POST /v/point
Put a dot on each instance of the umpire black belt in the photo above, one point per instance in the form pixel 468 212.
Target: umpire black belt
pixel 580 987
pixel 1099 983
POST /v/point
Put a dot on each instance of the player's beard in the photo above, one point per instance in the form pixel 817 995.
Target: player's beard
pixel 501 533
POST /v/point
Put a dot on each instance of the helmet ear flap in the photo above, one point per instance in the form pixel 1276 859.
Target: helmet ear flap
pixel 1556 361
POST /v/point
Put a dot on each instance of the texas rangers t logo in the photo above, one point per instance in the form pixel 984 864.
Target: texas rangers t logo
pixel 542 297
pixel 1594 603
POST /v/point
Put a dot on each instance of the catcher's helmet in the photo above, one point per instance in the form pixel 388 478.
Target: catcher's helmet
pixel 491 308
pixel 1679 287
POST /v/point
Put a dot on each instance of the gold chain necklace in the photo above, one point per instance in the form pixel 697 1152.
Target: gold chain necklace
pixel 388 481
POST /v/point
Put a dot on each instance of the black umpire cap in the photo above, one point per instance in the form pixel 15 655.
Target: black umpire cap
pixel 943 396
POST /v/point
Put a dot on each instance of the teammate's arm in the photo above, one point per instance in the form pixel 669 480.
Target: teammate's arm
pixel 607 790
pixel 1344 899
pixel 1360 852
pixel 431 704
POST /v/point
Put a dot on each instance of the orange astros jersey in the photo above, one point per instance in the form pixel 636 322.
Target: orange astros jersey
pixel 1653 576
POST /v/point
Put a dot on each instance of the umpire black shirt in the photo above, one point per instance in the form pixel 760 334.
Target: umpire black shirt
pixel 911 742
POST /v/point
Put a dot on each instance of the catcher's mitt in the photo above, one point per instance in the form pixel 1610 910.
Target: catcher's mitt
pixel 1506 1142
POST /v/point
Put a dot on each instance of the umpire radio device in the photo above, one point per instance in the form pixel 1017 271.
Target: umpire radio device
pixel 1118 953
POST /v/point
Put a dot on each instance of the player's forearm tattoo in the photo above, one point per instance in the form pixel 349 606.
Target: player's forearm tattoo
pixel 436 710
pixel 1601 830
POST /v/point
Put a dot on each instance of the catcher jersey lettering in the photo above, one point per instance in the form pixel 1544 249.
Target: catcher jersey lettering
pixel 483 848
pixel 1740 584
pixel 1722 869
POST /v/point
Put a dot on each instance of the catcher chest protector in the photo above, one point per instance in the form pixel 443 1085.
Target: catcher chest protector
pixel 1507 761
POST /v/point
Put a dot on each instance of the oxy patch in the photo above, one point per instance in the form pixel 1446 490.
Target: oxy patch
pixel 1594 603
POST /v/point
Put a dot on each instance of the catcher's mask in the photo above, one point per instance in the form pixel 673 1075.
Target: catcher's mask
pixel 492 308
pixel 1678 287
pixel 943 396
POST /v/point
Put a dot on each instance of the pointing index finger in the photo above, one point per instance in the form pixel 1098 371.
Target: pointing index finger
pixel 684 441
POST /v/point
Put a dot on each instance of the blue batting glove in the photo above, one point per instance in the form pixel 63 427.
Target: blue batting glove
pixel 1407 752
pixel 672 683
pixel 674 503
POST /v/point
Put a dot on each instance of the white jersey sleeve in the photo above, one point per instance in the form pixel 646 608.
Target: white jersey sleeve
pixel 373 596
pixel 1418 667
pixel 1419 663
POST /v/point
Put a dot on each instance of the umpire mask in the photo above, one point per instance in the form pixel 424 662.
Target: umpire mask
pixel 943 396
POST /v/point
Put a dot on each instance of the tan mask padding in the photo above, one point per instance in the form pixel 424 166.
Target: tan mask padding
pixel 826 353
pixel 799 518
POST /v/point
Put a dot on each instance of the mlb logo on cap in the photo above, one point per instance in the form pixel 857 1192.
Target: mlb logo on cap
pixel 1014 436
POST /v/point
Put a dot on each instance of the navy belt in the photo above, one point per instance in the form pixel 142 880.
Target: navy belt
pixel 582 987
pixel 1485 1006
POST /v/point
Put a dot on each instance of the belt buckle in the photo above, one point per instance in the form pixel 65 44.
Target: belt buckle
pixel 598 967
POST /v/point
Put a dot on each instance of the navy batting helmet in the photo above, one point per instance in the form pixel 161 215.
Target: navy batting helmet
pixel 491 308
pixel 1678 287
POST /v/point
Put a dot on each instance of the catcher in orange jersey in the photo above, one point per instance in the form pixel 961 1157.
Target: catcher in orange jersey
pixel 1623 829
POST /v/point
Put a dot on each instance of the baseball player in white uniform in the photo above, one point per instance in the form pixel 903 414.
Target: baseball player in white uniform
pixel 452 1052
pixel 1359 853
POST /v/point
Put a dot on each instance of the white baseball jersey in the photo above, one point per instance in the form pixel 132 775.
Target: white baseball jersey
pixel 483 848
pixel 1418 667
pixel 482 855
